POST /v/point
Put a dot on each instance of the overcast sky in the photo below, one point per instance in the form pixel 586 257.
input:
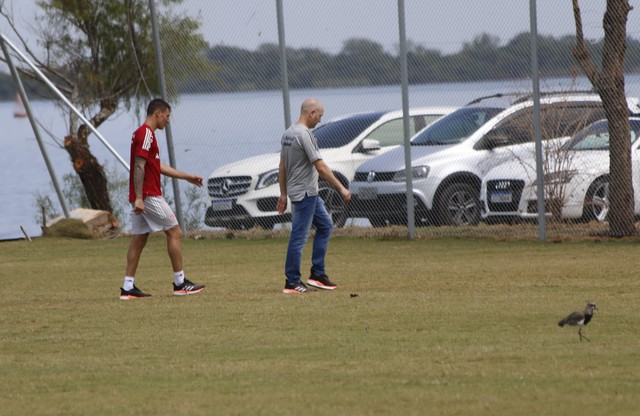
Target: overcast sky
pixel 436 24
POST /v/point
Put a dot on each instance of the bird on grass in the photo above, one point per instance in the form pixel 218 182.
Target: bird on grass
pixel 579 319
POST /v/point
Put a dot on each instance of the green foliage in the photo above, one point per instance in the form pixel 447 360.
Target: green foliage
pixel 75 197
pixel 195 207
pixel 73 191
pixel 438 326
pixel 193 202
pixel 43 204
pixel 103 51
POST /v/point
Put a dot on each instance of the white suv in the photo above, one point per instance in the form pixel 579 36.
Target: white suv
pixel 245 193
pixel 450 157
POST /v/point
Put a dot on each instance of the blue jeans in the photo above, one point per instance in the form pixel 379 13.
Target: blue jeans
pixel 309 211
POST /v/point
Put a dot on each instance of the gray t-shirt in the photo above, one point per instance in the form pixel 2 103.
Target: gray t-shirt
pixel 299 151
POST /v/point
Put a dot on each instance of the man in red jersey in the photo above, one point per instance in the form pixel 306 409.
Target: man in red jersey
pixel 151 211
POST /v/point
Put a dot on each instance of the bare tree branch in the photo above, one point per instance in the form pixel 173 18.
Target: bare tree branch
pixel 581 52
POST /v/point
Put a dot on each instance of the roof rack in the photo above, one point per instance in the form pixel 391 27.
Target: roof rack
pixel 552 93
pixel 521 97
pixel 477 100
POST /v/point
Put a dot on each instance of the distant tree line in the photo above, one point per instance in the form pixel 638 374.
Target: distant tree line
pixel 362 62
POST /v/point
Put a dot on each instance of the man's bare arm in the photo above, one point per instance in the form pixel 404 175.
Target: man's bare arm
pixel 325 173
pixel 138 179
pixel 138 175
pixel 175 173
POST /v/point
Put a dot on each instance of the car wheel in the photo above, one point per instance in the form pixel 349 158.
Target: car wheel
pixel 596 205
pixel 334 204
pixel 459 204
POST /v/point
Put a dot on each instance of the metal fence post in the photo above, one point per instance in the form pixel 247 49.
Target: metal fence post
pixel 283 65
pixel 404 75
pixel 536 119
pixel 163 92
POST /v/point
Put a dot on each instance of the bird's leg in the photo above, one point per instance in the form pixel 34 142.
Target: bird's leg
pixel 582 336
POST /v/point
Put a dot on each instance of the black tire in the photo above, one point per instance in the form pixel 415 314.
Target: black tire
pixel 334 204
pixel 596 204
pixel 458 204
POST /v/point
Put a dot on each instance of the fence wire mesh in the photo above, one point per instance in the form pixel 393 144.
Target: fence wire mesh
pixel 474 94
pixel 235 119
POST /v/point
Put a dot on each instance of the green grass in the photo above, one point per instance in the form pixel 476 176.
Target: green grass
pixel 440 326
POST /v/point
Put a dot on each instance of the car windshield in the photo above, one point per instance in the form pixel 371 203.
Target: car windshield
pixel 596 136
pixel 455 127
pixel 341 132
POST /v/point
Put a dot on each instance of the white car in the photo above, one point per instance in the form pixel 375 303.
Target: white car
pixel 450 157
pixel 245 193
pixel 575 177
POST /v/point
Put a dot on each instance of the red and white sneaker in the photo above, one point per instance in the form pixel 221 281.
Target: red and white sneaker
pixel 187 288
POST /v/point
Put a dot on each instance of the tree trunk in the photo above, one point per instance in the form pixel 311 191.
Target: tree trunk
pixel 90 172
pixel 609 83
pixel 621 209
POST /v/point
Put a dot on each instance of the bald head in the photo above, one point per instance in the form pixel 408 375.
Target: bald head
pixel 311 112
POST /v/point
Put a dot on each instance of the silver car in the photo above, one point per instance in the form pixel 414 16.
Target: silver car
pixel 450 157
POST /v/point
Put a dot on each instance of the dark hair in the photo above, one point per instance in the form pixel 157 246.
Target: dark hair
pixel 157 104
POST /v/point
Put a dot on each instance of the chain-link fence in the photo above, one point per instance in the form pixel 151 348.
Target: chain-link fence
pixel 482 87
pixel 473 153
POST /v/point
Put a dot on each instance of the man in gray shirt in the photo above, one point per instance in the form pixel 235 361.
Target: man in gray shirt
pixel 300 166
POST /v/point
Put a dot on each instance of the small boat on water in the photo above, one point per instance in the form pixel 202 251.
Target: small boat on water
pixel 19 112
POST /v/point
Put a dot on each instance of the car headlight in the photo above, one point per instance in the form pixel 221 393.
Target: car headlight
pixel 417 172
pixel 267 179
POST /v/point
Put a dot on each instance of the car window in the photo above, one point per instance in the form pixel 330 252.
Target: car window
pixel 391 133
pixel 557 120
pixel 455 127
pixel 596 136
pixel 567 119
pixel 341 132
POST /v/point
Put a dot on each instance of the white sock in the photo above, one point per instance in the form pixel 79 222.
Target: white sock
pixel 178 278
pixel 128 283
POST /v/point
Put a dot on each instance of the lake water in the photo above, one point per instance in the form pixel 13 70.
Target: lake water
pixel 208 131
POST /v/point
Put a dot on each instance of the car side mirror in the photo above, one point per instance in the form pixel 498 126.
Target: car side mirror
pixel 495 139
pixel 369 145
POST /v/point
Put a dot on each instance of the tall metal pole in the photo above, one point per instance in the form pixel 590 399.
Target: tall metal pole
pixel 34 125
pixel 536 119
pixel 404 75
pixel 163 92
pixel 283 65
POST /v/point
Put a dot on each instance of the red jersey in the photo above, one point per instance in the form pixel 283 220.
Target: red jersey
pixel 145 144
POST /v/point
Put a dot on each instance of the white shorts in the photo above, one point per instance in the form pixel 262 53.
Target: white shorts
pixel 157 216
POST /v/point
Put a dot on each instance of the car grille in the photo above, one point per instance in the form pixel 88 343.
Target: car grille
pixel 505 185
pixel 228 186
pixel 267 204
pixel 375 176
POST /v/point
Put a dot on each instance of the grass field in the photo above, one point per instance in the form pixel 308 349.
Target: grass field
pixel 439 326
